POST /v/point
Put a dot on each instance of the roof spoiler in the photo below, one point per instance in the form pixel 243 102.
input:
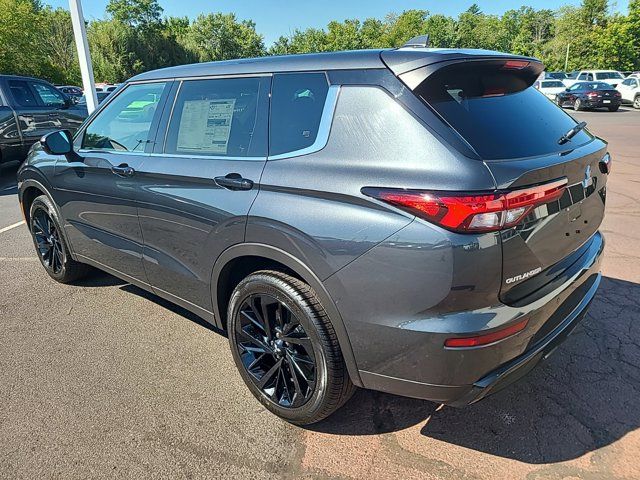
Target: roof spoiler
pixel 421 41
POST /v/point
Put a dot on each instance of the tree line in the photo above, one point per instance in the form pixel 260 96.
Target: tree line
pixel 135 36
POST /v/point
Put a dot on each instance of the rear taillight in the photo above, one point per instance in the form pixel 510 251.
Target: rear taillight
pixel 468 212
pixel 592 94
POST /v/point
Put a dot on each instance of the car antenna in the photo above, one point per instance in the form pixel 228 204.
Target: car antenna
pixel 421 41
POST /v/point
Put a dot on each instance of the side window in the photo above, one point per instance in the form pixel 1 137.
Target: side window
pixel 220 117
pixel 297 102
pixel 22 94
pixel 49 96
pixel 125 123
pixel 590 77
pixel 575 87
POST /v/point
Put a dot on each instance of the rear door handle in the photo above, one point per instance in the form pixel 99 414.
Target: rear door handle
pixel 234 181
pixel 123 170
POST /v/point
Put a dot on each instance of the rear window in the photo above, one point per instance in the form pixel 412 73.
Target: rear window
pixel 496 111
pixel 608 75
pixel 297 102
pixel 552 84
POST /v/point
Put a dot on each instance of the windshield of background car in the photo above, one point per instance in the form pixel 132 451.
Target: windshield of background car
pixel 496 112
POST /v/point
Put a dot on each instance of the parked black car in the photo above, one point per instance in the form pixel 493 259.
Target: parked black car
pixel 70 90
pixel 29 109
pixel 583 95
pixel 415 221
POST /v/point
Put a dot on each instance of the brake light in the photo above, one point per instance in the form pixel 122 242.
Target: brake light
pixel 487 338
pixel 466 212
pixel 592 94
pixel 515 64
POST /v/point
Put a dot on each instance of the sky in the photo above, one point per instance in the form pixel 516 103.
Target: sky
pixel 281 17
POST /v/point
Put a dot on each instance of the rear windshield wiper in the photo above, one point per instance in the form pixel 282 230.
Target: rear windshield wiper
pixel 571 133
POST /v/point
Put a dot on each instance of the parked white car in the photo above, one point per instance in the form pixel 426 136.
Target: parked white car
pixel 630 91
pixel 612 77
pixel 550 88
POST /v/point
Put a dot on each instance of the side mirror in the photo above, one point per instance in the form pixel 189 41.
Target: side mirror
pixel 57 143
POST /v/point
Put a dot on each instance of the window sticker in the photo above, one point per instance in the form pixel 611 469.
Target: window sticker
pixel 205 125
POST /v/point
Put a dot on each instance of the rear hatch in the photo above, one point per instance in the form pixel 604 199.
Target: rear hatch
pixel 515 130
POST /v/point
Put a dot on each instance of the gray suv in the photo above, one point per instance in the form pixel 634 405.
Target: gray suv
pixel 415 221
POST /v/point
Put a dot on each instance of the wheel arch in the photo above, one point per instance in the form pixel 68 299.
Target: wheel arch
pixel 28 191
pixel 264 257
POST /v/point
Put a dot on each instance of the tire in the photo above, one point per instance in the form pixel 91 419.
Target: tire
pixel 577 105
pixel 301 367
pixel 614 108
pixel 636 102
pixel 51 247
pixel 559 102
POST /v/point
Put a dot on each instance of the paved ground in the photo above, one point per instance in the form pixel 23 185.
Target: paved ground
pixel 105 380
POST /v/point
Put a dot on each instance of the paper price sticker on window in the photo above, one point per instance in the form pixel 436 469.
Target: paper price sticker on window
pixel 205 125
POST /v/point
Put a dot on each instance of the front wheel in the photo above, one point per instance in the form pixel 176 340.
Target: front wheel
pixel 286 348
pixel 51 248
pixel 636 102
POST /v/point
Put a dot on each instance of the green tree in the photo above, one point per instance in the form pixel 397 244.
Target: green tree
pixel 135 13
pixel 403 27
pixel 20 32
pixel 218 36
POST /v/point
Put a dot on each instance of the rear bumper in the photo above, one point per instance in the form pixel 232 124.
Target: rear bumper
pixel 602 104
pixel 552 318
pixel 517 368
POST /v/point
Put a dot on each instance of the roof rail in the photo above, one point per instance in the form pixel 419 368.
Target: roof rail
pixel 419 41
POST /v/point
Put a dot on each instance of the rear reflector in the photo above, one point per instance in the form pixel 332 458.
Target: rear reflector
pixel 487 338
pixel 464 212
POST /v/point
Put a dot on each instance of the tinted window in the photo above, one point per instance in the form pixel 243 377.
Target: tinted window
pixel 608 75
pixel 595 86
pixel 552 84
pixel 125 123
pixel 49 96
pixel 297 102
pixel 220 117
pixel 22 94
pixel 496 112
pixel 558 75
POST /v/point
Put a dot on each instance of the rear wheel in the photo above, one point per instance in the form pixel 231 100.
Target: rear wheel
pixel 51 248
pixel 636 102
pixel 577 105
pixel 614 108
pixel 286 349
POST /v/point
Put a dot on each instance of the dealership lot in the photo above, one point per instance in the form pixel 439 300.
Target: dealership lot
pixel 103 379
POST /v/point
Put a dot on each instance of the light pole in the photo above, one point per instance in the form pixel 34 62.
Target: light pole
pixel 566 58
pixel 84 57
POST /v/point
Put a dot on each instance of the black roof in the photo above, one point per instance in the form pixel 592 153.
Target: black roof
pixel 399 60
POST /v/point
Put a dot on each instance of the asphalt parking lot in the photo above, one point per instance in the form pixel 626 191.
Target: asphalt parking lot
pixel 103 380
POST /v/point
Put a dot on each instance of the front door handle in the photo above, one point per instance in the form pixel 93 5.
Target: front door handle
pixel 123 170
pixel 234 181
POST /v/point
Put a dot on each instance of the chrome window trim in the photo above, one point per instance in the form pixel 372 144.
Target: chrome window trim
pixel 324 129
pixel 171 155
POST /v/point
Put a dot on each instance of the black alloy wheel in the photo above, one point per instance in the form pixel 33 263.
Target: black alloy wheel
pixel 48 241
pixel 286 347
pixel 50 244
pixel 276 351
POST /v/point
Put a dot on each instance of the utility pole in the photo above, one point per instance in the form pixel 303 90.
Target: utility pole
pixel 86 69
pixel 566 58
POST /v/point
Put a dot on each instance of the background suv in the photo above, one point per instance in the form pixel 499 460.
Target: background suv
pixel 416 221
